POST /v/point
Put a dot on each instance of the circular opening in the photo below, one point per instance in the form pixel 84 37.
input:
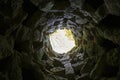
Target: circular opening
pixel 62 41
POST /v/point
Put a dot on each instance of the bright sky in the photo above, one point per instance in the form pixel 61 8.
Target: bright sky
pixel 62 41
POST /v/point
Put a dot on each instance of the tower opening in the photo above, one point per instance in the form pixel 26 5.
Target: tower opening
pixel 62 41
